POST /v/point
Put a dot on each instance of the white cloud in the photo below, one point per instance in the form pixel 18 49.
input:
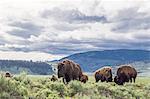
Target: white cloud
pixel 35 56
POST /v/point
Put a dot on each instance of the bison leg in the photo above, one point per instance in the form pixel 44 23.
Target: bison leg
pixel 97 77
pixel 67 78
pixel 64 80
pixel 103 79
pixel 97 80
pixel 131 79
pixel 109 79
pixel 76 78
pixel 79 78
pixel 134 80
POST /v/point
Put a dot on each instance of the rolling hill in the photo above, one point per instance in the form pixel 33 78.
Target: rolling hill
pixel 92 60
pixel 89 62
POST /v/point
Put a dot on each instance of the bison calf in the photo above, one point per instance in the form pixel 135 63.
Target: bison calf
pixel 84 78
pixel 54 78
pixel 7 74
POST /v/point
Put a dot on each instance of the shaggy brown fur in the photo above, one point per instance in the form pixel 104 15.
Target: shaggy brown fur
pixel 124 74
pixel 69 70
pixel 104 74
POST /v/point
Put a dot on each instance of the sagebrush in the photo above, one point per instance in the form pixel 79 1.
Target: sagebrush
pixel 24 87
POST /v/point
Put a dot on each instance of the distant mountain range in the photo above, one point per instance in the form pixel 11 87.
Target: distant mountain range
pixel 93 60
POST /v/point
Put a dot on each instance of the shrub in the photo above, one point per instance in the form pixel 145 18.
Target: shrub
pixel 59 87
pixel 44 93
pixel 75 87
pixel 8 88
pixel 26 87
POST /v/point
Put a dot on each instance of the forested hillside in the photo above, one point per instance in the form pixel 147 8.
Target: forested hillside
pixel 17 66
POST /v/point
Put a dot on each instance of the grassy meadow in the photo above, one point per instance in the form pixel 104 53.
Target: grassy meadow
pixel 41 87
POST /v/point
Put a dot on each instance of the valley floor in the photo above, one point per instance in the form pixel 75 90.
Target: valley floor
pixel 41 87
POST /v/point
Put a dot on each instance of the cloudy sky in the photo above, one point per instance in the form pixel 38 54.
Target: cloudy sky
pixel 51 29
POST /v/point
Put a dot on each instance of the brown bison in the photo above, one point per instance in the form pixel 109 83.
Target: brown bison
pixel 7 74
pixel 104 74
pixel 69 70
pixel 124 74
pixel 84 78
pixel 54 78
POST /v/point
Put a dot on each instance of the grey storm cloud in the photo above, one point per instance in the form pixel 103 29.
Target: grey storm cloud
pixel 72 16
pixel 121 45
pixel 25 29
pixel 2 41
pixel 65 47
pixel 142 37
pixel 130 19
pixel 15 49
pixel 74 46
pixel 69 27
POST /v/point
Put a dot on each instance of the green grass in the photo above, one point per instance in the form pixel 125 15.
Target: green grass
pixel 40 87
pixel 143 80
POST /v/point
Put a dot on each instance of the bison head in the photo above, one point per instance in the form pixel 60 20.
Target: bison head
pixel 120 80
pixel 108 71
pixel 108 74
pixel 84 78
pixel 116 79
pixel 99 77
pixel 61 70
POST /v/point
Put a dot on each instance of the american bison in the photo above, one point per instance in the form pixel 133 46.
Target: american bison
pixel 104 74
pixel 84 78
pixel 54 78
pixel 7 74
pixel 69 70
pixel 124 74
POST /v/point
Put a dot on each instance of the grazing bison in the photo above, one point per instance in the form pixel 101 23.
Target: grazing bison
pixel 54 78
pixel 84 78
pixel 104 74
pixel 69 70
pixel 124 74
pixel 7 74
